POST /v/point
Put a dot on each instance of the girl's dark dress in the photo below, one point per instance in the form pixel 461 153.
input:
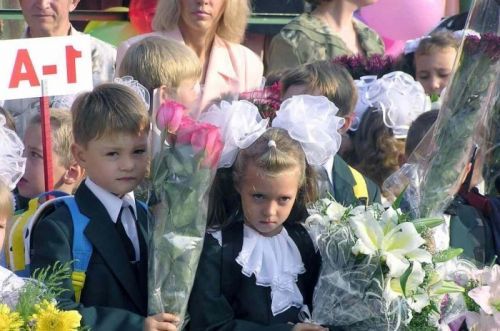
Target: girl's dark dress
pixel 223 298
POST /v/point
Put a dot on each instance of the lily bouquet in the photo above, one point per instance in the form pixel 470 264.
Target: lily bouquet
pixel 181 173
pixel 377 269
pixel 31 303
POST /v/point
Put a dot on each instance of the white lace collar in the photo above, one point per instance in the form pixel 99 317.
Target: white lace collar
pixel 276 262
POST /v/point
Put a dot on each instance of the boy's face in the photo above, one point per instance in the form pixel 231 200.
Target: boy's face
pixel 188 93
pixel 116 162
pixel 433 70
pixel 32 183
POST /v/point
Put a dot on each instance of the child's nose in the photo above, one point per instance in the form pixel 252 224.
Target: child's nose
pixel 126 163
pixel 270 209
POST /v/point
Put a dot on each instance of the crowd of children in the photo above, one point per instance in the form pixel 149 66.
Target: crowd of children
pixel 258 267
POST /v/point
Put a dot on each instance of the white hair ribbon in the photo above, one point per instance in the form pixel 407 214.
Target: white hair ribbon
pixel 240 125
pixel 12 162
pixel 137 87
pixel 400 98
pixel 312 122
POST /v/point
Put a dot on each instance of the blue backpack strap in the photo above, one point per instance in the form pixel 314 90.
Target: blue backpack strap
pixel 82 248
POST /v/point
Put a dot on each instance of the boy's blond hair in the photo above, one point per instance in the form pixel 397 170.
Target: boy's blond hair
pixel 6 202
pixel 157 61
pixel 62 136
pixel 231 25
pixel 109 109
pixel 329 79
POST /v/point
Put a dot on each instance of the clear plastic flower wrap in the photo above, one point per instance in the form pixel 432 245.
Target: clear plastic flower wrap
pixel 469 105
pixel 377 272
pixel 181 174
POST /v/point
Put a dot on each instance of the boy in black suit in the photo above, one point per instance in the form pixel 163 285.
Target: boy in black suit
pixel 110 128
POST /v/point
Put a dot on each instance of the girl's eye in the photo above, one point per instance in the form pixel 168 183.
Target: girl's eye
pixel 140 151
pixel 111 154
pixel 36 155
pixel 285 199
pixel 444 75
pixel 258 196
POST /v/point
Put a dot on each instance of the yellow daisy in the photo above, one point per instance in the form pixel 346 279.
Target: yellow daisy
pixel 49 318
pixel 9 320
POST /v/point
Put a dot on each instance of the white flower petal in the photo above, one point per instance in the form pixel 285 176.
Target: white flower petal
pixel 420 255
pixel 418 302
pixel 369 234
pixel 415 278
pixel 402 239
pixel 397 264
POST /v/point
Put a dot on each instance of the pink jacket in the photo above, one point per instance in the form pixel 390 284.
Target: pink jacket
pixel 232 68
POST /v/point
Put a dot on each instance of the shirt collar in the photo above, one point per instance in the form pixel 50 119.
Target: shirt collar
pixel 111 202
pixel 328 166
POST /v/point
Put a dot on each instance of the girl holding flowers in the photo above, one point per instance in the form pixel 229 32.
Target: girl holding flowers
pixel 258 267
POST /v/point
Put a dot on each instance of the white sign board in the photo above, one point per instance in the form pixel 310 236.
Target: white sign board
pixel 65 63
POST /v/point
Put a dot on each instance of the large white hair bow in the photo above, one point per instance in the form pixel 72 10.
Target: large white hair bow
pixel 311 121
pixel 308 119
pixel 12 162
pixel 240 124
pixel 400 98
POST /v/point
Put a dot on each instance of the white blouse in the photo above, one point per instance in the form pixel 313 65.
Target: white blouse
pixel 276 262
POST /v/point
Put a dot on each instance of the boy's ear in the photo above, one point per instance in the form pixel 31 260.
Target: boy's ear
pixel 74 174
pixel 78 152
pixel 163 93
pixel 347 124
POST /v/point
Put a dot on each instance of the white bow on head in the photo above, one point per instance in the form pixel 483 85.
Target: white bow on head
pixel 12 162
pixel 240 124
pixel 311 121
pixel 308 119
pixel 400 98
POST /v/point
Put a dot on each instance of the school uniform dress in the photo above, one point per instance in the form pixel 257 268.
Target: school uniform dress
pixel 340 181
pixel 246 281
pixel 232 68
pixel 114 296
pixel 103 70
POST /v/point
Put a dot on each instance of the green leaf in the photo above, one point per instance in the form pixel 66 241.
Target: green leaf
pixel 447 255
pixel 404 278
pixel 423 224
pixel 397 202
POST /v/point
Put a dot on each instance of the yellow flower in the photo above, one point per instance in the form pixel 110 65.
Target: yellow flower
pixel 49 318
pixel 9 320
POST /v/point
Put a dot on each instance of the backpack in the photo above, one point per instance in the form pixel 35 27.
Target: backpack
pixel 81 250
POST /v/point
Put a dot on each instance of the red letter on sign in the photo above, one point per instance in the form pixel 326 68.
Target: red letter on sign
pixel 71 56
pixel 23 60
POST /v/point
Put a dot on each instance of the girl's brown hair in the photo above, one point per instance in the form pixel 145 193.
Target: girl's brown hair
pixel 224 200
pixel 375 151
pixel 437 40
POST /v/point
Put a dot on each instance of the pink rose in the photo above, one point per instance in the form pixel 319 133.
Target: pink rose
pixel 170 115
pixel 205 138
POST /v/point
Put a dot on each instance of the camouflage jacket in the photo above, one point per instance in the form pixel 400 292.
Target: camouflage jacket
pixel 306 39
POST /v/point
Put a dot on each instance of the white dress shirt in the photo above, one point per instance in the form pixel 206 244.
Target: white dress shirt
pixel 113 205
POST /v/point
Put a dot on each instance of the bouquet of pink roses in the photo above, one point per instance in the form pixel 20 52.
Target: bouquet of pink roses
pixel 181 173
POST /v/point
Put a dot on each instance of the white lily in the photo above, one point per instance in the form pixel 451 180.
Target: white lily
pixel 398 244
pixel 416 298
